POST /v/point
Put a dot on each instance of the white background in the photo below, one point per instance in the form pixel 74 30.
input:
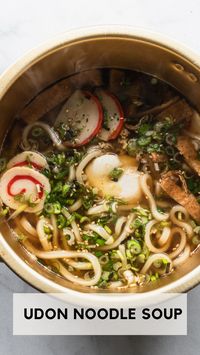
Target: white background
pixel 27 23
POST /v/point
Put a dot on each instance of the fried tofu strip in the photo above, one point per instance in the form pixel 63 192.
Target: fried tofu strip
pixel 181 195
pixel 157 109
pixel 179 111
pixel 186 148
pixel 48 99
pixel 176 108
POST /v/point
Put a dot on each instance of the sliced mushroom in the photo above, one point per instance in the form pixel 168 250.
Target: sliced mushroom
pixel 28 158
pixel 186 148
pixel 23 185
pixel 169 183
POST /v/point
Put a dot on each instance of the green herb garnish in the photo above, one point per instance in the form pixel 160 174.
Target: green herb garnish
pixel 115 174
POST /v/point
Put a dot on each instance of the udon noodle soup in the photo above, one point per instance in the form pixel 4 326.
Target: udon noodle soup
pixel 100 179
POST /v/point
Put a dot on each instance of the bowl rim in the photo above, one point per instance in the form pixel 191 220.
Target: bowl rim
pixel 19 266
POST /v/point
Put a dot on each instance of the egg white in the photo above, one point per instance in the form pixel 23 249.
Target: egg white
pixel 126 188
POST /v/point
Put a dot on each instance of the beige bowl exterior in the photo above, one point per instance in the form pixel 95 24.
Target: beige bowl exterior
pixel 97 47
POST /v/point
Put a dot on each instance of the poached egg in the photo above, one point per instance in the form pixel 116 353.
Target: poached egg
pixel 126 188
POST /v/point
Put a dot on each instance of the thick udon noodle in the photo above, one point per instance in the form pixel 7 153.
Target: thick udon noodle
pixel 163 239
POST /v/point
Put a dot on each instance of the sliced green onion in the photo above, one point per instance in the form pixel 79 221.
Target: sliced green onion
pixel 165 261
pixel 165 224
pixel 108 229
pixel 84 219
pixel 57 207
pixel 114 254
pixel 157 264
pixel 170 151
pixel 144 128
pixel 77 215
pixel 144 141
pixel 197 230
pixel 103 259
pixel 136 249
pixel 70 201
pixel 140 211
pixel 20 198
pixel 65 189
pixel 195 240
pixel 4 211
pixel 117 265
pixel 98 253
pixel 178 157
pixel 105 275
pixel 128 254
pixel 100 241
pixel 170 139
pixel 134 246
pixel 115 276
pixel 37 132
pixel 132 147
pixel 21 237
pixel 49 208
pixel 47 229
pixel 115 174
pixel 61 221
pixel 141 258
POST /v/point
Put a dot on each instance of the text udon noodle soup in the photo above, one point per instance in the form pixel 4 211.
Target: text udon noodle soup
pixel 100 179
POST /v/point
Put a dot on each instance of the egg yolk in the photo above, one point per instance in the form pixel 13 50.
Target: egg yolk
pixel 127 186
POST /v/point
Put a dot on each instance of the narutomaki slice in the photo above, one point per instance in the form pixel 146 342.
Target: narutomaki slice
pixel 113 115
pixel 82 115
pixel 28 158
pixel 20 185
